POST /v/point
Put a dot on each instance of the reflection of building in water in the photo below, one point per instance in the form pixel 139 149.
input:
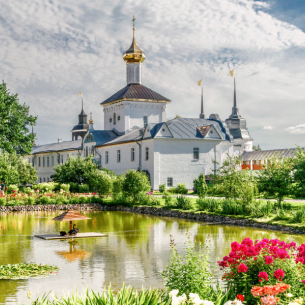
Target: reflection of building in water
pixel 74 254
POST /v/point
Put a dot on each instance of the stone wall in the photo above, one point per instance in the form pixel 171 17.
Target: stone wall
pixel 202 217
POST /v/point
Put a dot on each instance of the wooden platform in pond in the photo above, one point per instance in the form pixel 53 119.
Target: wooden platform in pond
pixel 78 235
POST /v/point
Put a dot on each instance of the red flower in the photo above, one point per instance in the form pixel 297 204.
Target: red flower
pixel 279 274
pixel 242 268
pixel 303 281
pixel 263 275
pixel 240 297
pixel 268 260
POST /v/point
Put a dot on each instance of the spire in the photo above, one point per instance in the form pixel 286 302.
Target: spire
pixel 235 113
pixel 202 115
pixel 91 122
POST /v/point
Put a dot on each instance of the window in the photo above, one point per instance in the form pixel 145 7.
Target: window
pixel 132 154
pixel 62 159
pixel 106 157
pixel 86 151
pixel 119 117
pixel 146 153
pixel 110 120
pixel 52 160
pixel 48 180
pixel 170 182
pixel 48 161
pixel 44 179
pixel 92 150
pixel 118 156
pixel 40 180
pixel 39 164
pixel 196 153
pixel 145 120
pixel 114 118
pixel 43 162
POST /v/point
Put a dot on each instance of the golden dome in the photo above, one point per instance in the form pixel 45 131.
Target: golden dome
pixel 133 54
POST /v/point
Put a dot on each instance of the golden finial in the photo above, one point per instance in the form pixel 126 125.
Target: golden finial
pixel 90 121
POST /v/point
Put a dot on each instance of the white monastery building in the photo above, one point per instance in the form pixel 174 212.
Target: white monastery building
pixel 137 136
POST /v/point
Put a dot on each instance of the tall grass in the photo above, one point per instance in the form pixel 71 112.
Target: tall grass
pixel 232 207
pixel 125 296
pixel 261 208
pixel 183 202
pixel 208 204
pixel 298 216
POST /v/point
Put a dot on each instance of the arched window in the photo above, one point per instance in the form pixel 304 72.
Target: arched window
pixel 114 118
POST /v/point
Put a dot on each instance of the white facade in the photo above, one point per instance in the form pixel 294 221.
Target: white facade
pixel 125 115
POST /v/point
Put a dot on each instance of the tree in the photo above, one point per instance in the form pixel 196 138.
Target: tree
pixel 276 178
pixel 299 171
pixel 200 186
pixel 256 148
pixel 100 182
pixel 15 119
pixel 135 183
pixel 15 170
pixel 75 170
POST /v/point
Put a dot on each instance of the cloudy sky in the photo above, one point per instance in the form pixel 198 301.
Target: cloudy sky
pixel 51 50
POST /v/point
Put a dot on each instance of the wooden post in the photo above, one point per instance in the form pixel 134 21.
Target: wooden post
pixel 71 225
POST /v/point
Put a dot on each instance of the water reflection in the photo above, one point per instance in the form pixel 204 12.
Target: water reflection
pixel 136 250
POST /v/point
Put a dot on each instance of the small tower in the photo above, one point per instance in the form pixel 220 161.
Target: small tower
pixel 133 58
pixel 91 122
pixel 202 115
pixel 80 130
pixel 238 128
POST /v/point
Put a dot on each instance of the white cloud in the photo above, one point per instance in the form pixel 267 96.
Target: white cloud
pixel 298 129
pixel 268 127
pixel 51 50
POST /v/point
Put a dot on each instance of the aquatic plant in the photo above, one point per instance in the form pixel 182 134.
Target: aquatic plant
pixel 23 271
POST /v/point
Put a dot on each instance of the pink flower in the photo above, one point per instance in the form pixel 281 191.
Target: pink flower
pixel 279 274
pixel 242 268
pixel 247 241
pixel 263 275
pixel 235 246
pixel 268 260
pixel 303 281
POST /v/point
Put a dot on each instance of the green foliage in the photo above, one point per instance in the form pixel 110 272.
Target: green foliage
pixel 162 188
pixel 75 170
pixel 45 200
pixel 101 182
pixel 181 188
pixel 148 199
pixel 15 136
pixel 83 199
pixel 208 204
pixel 65 187
pixel 125 296
pixel 15 170
pixel 135 182
pixel 45 187
pixel 276 178
pixel 232 207
pixel 31 201
pixel 183 202
pixel 117 187
pixel 83 188
pixel 299 171
pixel 96 199
pixel 200 186
pixel 73 187
pixel 298 216
pixel 189 273
pixel 24 271
pixel 2 201
pixel 74 200
pixel 60 200
pixel 12 189
pixel 168 198
pixel 261 208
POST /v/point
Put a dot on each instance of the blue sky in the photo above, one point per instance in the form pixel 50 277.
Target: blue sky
pixel 51 50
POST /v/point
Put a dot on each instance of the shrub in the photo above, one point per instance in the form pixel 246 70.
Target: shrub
pixel 65 187
pixel 298 216
pixel 168 198
pixel 181 188
pixel 83 188
pixel 2 201
pixel 101 182
pixel 183 202
pixel 12 189
pixel 135 182
pixel 200 186
pixel 117 187
pixel 148 199
pixel 262 208
pixel 96 199
pixel 189 273
pixel 208 204
pixel 52 201
pixel 172 190
pixel 82 199
pixel 162 188
pixel 265 262
pixel 74 200
pixel 31 200
pixel 28 190
pixel 73 187
pixel 60 200
pixel 232 207
pixel 45 200
pixel 46 187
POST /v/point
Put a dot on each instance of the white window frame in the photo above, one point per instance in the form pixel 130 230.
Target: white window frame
pixel 170 182
pixel 145 118
pixel 196 153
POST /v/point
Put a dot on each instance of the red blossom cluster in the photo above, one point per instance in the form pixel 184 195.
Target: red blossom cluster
pixel 269 290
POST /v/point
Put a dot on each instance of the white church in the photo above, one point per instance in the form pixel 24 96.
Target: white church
pixel 137 136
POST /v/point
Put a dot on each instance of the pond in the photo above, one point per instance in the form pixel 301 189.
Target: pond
pixel 135 252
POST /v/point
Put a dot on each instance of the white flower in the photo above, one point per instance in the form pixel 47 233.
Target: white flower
pixel 206 302
pixel 289 295
pixel 194 296
pixel 178 300
pixel 228 303
pixel 174 293
pixel 237 302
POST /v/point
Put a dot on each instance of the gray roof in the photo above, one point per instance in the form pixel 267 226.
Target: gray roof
pixel 187 128
pixel 133 135
pixel 103 136
pixel 61 146
pixel 265 154
pixel 136 92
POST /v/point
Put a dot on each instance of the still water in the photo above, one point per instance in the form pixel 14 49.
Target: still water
pixel 135 252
